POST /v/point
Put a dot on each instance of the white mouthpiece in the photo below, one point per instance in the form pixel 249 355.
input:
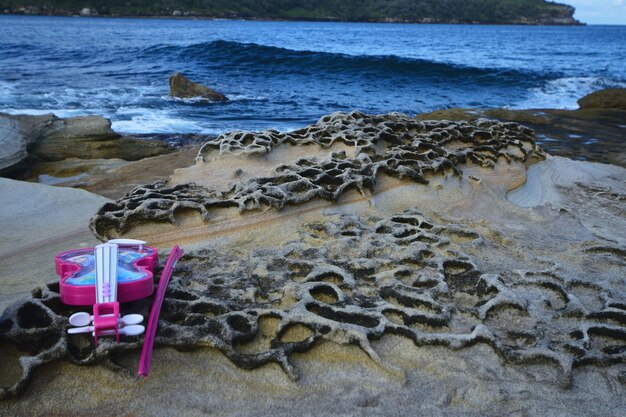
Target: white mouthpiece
pixel 133 330
pixel 84 319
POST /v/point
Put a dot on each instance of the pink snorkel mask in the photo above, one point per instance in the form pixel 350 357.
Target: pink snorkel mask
pixel 120 270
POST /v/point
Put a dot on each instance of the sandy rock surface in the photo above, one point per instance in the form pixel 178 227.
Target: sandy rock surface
pixel 90 137
pixel 111 178
pixel 36 222
pixel 364 265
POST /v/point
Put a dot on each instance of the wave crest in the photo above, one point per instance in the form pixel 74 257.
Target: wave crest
pixel 288 61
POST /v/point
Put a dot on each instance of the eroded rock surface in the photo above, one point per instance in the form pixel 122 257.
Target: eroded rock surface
pixel 351 280
pixel 394 144
pixel 372 228
pixel 595 133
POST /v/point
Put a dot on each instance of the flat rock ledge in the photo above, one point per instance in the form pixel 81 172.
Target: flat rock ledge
pixel 50 138
pixel 364 227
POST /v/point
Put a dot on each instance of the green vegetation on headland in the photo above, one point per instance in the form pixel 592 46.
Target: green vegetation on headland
pixel 530 12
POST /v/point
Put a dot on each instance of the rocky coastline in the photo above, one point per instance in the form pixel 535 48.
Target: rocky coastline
pixel 544 13
pixel 593 132
pixel 347 267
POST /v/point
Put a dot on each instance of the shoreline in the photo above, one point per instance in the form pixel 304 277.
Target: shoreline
pixel 591 134
pixel 270 19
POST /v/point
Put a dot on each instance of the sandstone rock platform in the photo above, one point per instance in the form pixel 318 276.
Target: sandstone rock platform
pixel 36 222
pixel 610 98
pixel 361 265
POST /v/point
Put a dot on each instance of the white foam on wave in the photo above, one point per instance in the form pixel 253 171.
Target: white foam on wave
pixel 247 97
pixel 111 97
pixel 85 100
pixel 144 120
pixel 231 97
pixel 564 93
pixel 189 100
pixel 56 112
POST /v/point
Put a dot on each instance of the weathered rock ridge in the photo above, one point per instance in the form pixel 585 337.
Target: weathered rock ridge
pixel 15 137
pixel 394 144
pixel 362 229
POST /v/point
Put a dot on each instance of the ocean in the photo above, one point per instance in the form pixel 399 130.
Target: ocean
pixel 284 75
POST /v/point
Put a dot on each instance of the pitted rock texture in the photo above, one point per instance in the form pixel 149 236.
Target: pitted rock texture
pixel 350 280
pixel 393 144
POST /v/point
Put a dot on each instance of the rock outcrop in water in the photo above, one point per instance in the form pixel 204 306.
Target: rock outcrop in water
pixel 361 229
pixel 610 98
pixel 182 87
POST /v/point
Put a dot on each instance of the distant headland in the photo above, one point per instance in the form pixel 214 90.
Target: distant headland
pixel 518 12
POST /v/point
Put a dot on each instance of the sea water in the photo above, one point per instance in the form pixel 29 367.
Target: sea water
pixel 284 75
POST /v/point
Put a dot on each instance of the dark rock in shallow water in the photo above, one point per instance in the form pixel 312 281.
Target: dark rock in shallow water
pixel 182 87
pixel 611 98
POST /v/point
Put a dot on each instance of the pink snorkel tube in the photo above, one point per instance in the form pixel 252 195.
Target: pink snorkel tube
pixel 148 342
